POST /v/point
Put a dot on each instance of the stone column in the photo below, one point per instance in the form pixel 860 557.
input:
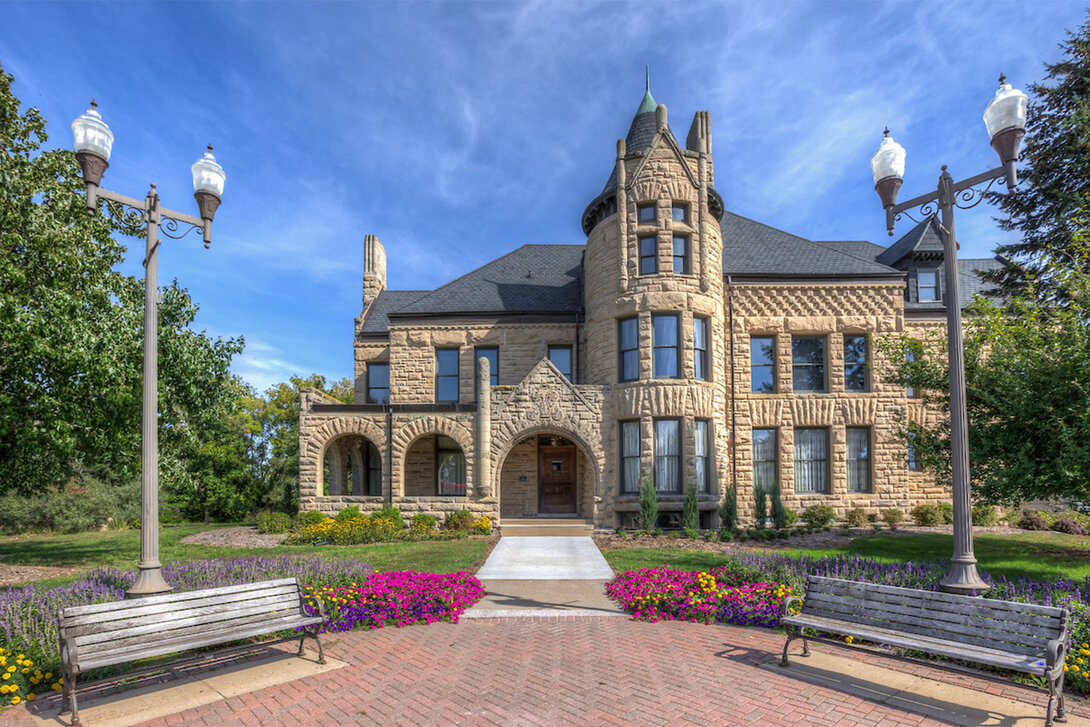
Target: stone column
pixel 622 272
pixel 484 429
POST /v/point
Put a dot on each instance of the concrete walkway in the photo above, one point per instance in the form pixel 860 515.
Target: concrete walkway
pixel 544 577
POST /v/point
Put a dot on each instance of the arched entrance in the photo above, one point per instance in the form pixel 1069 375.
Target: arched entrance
pixel 546 474
pixel 351 465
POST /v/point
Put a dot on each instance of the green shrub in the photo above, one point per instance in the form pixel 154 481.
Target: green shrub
pixel 385 526
pixel 726 535
pixel 690 514
pixel 310 517
pixel 790 518
pixel 818 516
pixel 86 504
pixel 1031 521
pixel 691 533
pixel 349 513
pixel 1064 525
pixel 947 511
pixel 1081 518
pixel 760 506
pixel 778 513
pixel 458 521
pixel 892 516
pixel 393 514
pixel 926 514
pixel 423 521
pixel 856 517
pixel 984 516
pixel 649 504
pixel 273 522
pixel 728 511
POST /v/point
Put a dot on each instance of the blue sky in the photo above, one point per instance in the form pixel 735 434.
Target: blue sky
pixel 459 131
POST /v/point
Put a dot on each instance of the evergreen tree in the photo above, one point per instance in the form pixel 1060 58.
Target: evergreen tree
pixel 760 506
pixel 690 513
pixel 728 511
pixel 1055 175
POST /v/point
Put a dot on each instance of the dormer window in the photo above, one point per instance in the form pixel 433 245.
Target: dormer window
pixel 645 213
pixel 680 212
pixel 928 283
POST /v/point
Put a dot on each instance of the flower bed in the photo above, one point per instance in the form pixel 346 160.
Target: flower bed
pixel 351 527
pixel 397 598
pixel 28 626
pixel 721 596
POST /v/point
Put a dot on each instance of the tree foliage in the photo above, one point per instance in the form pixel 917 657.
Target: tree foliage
pixel 1027 380
pixel 1055 175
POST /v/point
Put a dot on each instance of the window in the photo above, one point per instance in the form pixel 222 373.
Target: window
pixel 450 466
pixel 913 463
pixel 493 355
pixel 681 254
pixel 666 348
pixel 911 391
pixel 645 213
pixel 668 455
pixel 630 456
pixel 378 383
pixel 812 460
pixel 649 261
pixel 765 461
pixel 628 358
pixel 700 348
pixel 373 467
pixel 680 212
pixel 855 363
pixel 928 282
pixel 762 364
pixel 858 459
pixel 446 374
pixel 701 446
pixel 808 363
pixel 560 356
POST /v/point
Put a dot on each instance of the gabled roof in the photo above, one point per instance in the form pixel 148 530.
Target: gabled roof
pixel 530 279
pixel 751 248
pixel 924 237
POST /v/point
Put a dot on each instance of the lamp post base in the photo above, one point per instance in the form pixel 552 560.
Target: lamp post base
pixel 149 582
pixel 963 578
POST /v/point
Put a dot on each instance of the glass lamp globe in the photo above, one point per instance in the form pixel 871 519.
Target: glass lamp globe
pixel 889 160
pixel 208 175
pixel 1006 110
pixel 91 134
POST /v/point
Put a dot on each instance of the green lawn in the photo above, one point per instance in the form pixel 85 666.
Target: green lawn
pixel 1036 555
pixel 121 549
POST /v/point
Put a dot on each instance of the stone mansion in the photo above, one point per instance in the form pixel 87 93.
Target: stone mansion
pixel 681 343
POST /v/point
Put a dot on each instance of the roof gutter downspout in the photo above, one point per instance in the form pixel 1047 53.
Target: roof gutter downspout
pixel 733 409
pixel 389 455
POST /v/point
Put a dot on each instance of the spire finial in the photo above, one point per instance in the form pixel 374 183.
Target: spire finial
pixel 209 147
pixel 648 104
pixel 886 132
pixel 1002 79
pixel 94 104
pixel 647 71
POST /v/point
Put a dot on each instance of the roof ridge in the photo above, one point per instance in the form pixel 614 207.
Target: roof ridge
pixel 767 226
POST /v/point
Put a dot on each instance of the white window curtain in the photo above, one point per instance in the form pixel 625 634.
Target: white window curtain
pixel 667 456
pixel 630 451
pixel 858 459
pixel 765 470
pixel 812 460
pixel 700 464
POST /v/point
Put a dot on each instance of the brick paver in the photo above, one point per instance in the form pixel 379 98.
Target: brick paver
pixel 565 671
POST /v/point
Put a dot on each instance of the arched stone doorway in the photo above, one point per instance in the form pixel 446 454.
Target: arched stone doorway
pixel 351 465
pixel 435 464
pixel 546 474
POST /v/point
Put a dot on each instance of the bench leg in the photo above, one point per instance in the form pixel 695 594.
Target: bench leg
pixel 318 641
pixel 791 636
pixel 1061 712
pixel 68 699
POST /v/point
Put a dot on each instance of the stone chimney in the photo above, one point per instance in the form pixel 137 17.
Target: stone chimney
pixel 700 139
pixel 374 269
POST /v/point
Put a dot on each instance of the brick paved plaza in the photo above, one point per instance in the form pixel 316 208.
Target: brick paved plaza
pixel 585 671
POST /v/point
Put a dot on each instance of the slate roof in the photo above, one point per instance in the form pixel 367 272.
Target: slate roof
pixel 388 300
pixel 924 237
pixel 640 135
pixel 532 278
pixel 855 248
pixel 750 248
pixel 969 282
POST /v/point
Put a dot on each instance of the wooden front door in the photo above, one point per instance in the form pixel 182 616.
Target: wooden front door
pixel 556 479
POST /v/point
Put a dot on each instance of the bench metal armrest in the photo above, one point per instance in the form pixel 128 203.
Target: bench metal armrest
pixel 787 604
pixel 309 610
pixel 1057 649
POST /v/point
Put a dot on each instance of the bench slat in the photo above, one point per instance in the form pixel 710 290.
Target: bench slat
pixel 1030 630
pixel 189 619
pixel 170 646
pixel 981 624
pixel 821 605
pixel 935 646
pixel 175 597
pixel 89 623
pixel 974 602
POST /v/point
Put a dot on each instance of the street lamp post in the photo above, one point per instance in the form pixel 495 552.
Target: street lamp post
pixel 93 143
pixel 1005 118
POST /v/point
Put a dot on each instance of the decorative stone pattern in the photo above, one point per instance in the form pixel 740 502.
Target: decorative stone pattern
pixel 498 427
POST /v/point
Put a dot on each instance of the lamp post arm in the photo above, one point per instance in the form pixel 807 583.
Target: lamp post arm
pixel 137 204
pixel 914 202
pixel 997 173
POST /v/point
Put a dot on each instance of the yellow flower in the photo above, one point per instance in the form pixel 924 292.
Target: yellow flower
pixel 31 697
pixel 5 676
pixel 56 686
pixel 849 639
pixel 16 699
pixel 11 668
pixel 49 675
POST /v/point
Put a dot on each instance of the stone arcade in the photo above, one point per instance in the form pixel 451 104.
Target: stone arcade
pixel 682 342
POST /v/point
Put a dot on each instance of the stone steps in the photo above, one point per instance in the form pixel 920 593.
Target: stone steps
pixel 537 527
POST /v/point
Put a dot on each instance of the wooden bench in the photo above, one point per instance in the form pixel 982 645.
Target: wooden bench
pixel 106 634
pixel 1018 636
